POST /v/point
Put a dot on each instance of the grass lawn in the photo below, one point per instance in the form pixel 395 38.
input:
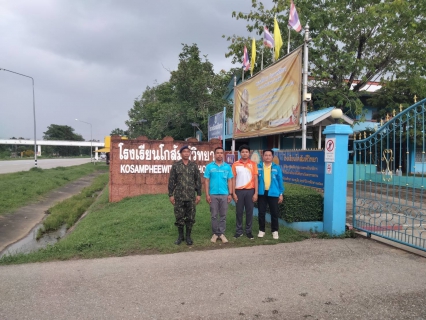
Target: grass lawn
pixel 142 225
pixel 21 188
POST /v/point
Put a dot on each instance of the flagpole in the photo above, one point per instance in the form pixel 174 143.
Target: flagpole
pixel 288 44
pixel 242 80
pixel 305 86
pixel 224 128
pixel 261 64
pixel 233 118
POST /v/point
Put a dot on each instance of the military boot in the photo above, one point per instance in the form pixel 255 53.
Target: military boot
pixel 180 237
pixel 188 236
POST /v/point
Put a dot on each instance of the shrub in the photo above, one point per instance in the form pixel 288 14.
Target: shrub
pixel 301 204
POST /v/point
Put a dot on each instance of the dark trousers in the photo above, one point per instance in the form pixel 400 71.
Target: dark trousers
pixel 245 201
pixel 273 208
pixel 184 213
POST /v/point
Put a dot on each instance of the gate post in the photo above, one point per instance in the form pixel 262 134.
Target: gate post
pixel 335 181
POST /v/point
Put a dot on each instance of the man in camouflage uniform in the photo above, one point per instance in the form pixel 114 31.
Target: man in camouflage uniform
pixel 184 182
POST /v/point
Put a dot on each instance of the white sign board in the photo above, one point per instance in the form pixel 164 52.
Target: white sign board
pixel 330 150
pixel 329 168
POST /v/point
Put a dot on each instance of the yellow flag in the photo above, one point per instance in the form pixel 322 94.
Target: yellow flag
pixel 253 56
pixel 277 39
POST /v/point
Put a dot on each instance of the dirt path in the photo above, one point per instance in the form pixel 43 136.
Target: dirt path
pixel 17 225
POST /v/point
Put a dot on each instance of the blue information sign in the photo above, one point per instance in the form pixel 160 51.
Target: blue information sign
pixel 303 167
pixel 216 126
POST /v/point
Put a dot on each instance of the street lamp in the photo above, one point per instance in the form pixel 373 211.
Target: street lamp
pixel 35 144
pixel 336 114
pixel 196 125
pixel 91 139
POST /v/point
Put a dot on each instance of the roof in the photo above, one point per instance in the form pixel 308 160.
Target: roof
pixel 230 86
pixel 311 116
pixel 316 117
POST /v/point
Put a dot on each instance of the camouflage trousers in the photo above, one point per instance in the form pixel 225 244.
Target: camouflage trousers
pixel 184 213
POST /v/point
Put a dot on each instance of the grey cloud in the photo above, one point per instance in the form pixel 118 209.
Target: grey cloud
pixel 91 59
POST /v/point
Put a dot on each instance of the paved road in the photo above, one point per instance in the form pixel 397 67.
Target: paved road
pixel 24 165
pixel 312 279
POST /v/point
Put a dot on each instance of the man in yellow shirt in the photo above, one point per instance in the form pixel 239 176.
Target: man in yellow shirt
pixel 271 189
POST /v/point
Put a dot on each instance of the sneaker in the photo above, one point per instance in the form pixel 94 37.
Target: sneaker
pixel 275 235
pixel 237 235
pixel 223 238
pixel 261 234
pixel 250 236
pixel 214 238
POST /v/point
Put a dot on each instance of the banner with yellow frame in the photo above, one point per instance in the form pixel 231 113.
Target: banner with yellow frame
pixel 270 102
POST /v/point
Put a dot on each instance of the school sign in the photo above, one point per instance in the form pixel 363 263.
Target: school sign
pixel 142 166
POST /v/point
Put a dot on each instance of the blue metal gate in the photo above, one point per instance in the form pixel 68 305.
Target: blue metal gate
pixel 389 179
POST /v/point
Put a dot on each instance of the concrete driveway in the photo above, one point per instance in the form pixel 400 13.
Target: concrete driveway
pixel 313 279
pixel 25 165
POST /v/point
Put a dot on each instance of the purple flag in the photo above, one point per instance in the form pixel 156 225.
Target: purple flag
pixel 246 60
pixel 293 20
pixel 268 41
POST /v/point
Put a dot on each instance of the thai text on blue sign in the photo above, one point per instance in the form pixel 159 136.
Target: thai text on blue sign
pixel 303 167
pixel 215 130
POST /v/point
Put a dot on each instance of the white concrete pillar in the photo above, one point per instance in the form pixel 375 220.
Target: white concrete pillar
pixel 319 136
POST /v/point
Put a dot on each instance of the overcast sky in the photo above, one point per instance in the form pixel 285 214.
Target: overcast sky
pixel 91 59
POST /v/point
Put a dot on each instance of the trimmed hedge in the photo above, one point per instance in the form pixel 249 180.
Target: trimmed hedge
pixel 301 204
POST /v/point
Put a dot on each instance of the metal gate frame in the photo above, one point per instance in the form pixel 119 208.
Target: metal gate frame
pixel 388 200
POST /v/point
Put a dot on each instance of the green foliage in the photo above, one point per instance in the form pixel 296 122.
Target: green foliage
pixel 5 154
pixel 118 132
pixel 141 225
pixel 397 93
pixel 21 188
pixel 352 43
pixel 301 204
pixel 325 235
pixel 59 132
pixel 193 93
pixel 7 150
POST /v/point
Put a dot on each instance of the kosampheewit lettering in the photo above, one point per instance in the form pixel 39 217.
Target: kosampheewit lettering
pixel 146 168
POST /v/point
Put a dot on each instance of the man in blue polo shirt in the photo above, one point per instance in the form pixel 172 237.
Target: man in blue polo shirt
pixel 219 191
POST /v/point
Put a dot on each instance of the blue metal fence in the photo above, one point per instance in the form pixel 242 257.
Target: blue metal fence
pixel 390 202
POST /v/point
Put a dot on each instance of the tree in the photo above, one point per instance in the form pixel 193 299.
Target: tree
pixel 396 93
pixel 59 132
pixel 19 147
pixel 118 132
pixel 193 92
pixel 353 42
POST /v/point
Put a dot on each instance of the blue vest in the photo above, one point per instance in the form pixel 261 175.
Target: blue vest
pixel 277 183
